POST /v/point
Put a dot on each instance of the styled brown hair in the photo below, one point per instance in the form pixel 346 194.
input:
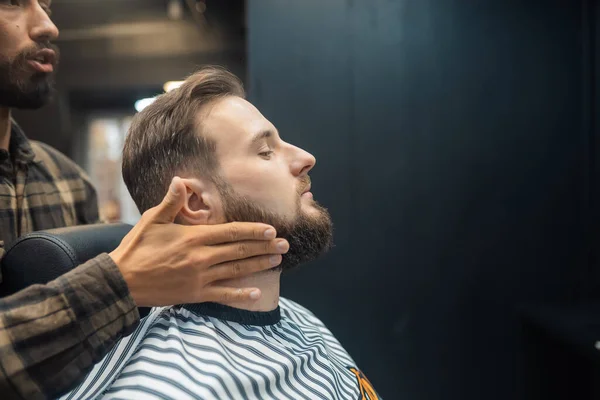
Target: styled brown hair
pixel 165 138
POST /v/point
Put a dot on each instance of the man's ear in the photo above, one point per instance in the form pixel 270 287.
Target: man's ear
pixel 200 203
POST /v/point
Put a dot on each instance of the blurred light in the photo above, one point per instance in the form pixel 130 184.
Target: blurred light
pixel 143 103
pixel 172 85
pixel 175 9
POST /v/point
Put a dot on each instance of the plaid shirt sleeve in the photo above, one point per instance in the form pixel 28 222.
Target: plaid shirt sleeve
pixel 52 335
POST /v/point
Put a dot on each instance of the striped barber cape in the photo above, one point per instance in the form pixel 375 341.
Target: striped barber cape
pixel 211 351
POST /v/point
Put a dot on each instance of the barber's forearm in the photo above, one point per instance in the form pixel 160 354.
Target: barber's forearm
pixel 51 335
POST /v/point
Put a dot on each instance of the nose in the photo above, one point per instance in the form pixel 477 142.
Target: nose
pixel 42 29
pixel 302 162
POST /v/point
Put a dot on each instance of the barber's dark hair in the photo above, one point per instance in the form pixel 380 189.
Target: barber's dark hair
pixel 164 139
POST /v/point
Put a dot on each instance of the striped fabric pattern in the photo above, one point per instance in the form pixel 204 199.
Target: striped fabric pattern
pixel 179 354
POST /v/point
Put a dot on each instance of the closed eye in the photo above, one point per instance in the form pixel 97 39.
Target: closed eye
pixel 266 153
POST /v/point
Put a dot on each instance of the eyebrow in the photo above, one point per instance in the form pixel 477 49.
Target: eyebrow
pixel 261 135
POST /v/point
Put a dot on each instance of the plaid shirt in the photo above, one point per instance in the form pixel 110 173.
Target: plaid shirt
pixel 51 335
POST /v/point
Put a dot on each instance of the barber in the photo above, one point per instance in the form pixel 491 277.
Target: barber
pixel 51 335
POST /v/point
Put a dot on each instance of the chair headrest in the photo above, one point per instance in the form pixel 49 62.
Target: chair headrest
pixel 42 256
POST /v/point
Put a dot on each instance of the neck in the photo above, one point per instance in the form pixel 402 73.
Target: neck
pixel 267 282
pixel 5 126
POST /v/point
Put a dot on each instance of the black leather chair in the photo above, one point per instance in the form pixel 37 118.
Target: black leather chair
pixel 42 256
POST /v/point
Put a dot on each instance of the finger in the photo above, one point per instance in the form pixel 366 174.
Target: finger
pixel 172 203
pixel 234 232
pixel 239 268
pixel 223 294
pixel 241 250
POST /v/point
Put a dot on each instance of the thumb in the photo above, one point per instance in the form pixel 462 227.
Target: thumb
pixel 173 202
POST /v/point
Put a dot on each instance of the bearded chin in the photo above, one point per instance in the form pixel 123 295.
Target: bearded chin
pixel 309 235
pixel 29 93
pixel 32 97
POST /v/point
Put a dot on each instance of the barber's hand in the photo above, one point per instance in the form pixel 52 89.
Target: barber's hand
pixel 165 263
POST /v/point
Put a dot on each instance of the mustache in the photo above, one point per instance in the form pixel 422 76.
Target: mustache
pixel 304 183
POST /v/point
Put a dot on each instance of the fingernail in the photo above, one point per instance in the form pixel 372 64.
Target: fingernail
pixel 275 260
pixel 270 233
pixel 282 246
pixel 173 188
pixel 255 294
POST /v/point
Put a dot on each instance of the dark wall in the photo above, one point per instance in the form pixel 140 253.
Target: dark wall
pixel 454 143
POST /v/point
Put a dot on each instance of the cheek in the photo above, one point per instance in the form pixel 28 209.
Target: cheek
pixel 267 185
pixel 260 187
pixel 11 36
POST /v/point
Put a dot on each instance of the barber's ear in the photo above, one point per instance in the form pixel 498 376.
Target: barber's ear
pixel 199 206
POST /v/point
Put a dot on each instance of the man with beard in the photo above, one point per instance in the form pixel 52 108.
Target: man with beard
pixel 51 335
pixel 235 167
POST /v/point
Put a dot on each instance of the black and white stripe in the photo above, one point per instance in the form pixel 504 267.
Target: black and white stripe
pixel 180 354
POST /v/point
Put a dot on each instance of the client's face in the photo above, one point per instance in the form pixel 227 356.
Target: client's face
pixel 264 179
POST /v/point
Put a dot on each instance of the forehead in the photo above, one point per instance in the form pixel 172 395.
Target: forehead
pixel 232 120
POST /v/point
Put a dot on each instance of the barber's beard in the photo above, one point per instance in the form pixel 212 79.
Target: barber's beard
pixel 19 88
pixel 309 235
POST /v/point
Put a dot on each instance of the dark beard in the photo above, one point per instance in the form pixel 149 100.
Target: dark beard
pixel 308 235
pixel 20 89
